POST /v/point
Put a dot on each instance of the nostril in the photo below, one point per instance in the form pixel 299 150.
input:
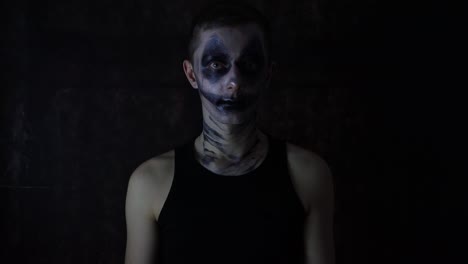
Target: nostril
pixel 232 85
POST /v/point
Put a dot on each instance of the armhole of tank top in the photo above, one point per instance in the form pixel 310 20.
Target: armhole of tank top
pixel 290 183
pixel 168 199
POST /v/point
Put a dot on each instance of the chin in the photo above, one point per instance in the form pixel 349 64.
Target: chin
pixel 233 121
pixel 235 118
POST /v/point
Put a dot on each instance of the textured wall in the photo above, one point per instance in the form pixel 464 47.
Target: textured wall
pixel 93 89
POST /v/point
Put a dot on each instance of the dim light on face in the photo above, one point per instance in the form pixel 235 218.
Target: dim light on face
pixel 231 69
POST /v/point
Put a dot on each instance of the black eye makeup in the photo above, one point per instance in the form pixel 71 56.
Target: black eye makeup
pixel 215 60
pixel 217 65
pixel 252 59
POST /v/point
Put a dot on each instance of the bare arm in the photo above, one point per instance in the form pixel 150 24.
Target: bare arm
pixel 319 243
pixel 313 181
pixel 148 188
pixel 141 227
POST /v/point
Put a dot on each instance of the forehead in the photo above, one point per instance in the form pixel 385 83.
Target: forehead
pixel 233 38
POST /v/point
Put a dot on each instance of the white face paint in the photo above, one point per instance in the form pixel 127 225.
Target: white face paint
pixel 231 70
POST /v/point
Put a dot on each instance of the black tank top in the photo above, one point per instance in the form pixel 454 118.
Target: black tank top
pixel 252 218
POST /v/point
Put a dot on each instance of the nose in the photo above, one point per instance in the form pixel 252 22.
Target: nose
pixel 233 85
pixel 234 79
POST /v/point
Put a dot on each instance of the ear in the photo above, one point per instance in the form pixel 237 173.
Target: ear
pixel 190 73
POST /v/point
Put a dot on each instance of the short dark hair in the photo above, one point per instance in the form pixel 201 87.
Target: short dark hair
pixel 219 14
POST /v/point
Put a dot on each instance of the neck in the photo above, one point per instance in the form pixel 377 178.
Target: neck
pixel 230 148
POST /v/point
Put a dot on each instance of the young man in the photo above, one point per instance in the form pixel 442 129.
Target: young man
pixel 233 194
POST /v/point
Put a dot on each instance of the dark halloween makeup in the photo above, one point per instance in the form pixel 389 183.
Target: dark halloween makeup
pixel 252 60
pixel 242 102
pixel 230 64
pixel 216 60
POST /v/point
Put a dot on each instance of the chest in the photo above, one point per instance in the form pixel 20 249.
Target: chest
pixel 247 219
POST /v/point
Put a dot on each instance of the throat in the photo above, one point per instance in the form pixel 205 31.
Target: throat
pixel 230 151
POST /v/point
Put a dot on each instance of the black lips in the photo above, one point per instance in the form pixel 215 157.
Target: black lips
pixel 228 104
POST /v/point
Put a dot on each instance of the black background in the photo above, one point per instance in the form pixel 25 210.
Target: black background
pixel 92 89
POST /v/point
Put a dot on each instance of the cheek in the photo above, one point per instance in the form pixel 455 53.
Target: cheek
pixel 207 85
pixel 211 75
pixel 211 80
pixel 248 79
pixel 212 98
pixel 255 79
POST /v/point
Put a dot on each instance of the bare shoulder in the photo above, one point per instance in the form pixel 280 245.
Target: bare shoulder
pixel 310 175
pixel 154 169
pixel 305 159
pixel 146 191
pixel 151 181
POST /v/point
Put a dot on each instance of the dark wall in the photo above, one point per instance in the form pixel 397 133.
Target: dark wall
pixel 94 89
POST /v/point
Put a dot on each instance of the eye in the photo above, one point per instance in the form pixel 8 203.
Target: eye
pixel 216 65
pixel 250 66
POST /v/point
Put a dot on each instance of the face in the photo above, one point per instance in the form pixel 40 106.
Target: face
pixel 230 71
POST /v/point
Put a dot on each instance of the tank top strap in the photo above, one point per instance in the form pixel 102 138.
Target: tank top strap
pixel 277 148
pixel 277 158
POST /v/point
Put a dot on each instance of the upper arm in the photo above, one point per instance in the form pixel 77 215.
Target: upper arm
pixel 313 181
pixel 141 226
pixel 147 191
pixel 319 221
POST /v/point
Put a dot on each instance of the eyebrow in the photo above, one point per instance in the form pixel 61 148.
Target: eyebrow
pixel 215 46
pixel 253 48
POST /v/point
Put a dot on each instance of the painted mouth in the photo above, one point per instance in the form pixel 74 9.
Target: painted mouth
pixel 231 105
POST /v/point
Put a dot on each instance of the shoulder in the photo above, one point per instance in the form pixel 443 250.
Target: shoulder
pixel 302 158
pixel 149 183
pixel 153 170
pixel 310 175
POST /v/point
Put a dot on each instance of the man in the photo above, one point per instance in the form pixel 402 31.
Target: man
pixel 233 194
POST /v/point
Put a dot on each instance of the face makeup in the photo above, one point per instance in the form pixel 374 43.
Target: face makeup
pixel 231 66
